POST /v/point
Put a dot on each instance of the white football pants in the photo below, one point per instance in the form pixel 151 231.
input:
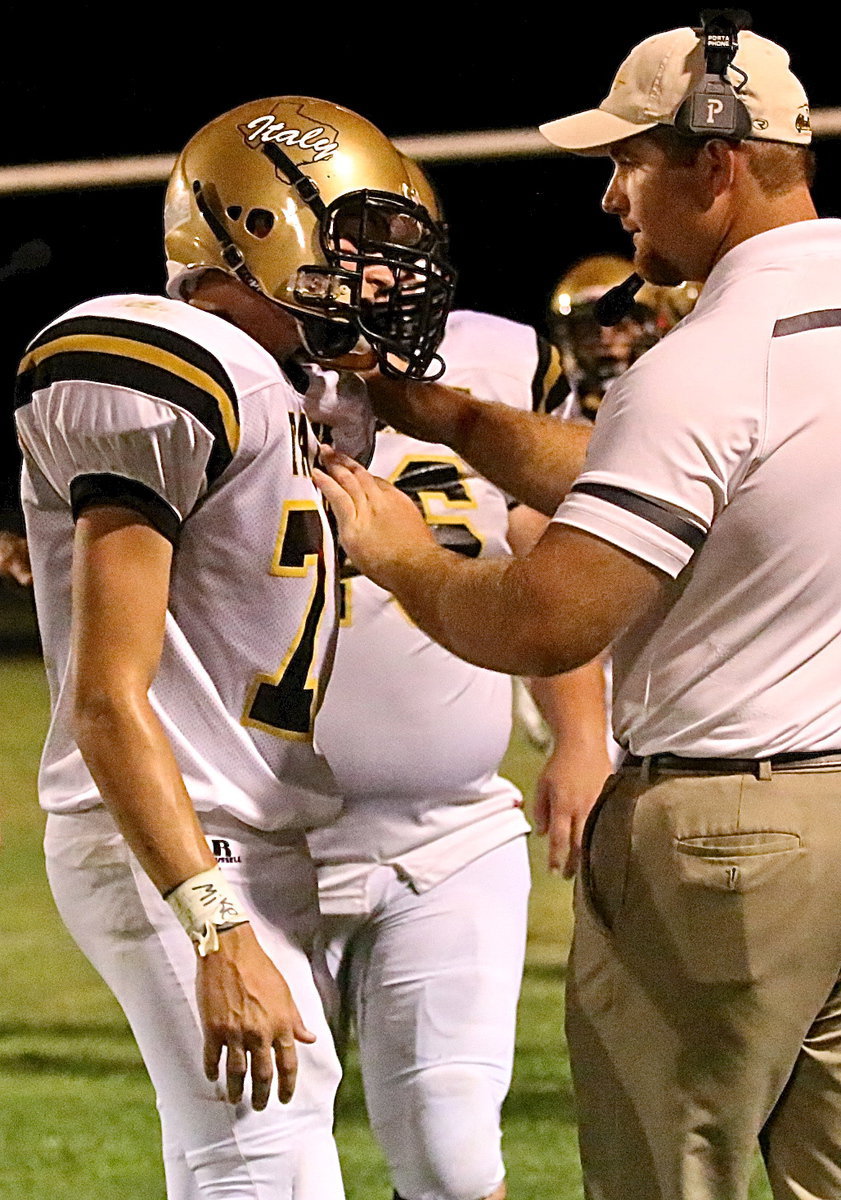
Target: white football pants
pixel 217 1150
pixel 431 982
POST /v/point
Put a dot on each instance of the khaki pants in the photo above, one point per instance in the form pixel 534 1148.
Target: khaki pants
pixel 704 1005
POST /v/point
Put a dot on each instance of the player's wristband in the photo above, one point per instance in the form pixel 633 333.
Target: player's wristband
pixel 206 906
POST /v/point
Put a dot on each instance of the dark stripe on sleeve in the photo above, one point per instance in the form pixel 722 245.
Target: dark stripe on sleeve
pixel 143 331
pixel 654 511
pixel 557 394
pixel 138 376
pixel 122 370
pixel 296 375
pixel 120 492
pixel 544 352
pixel 824 318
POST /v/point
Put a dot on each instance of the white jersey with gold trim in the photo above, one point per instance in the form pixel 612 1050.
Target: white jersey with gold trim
pixel 150 404
pixel 413 734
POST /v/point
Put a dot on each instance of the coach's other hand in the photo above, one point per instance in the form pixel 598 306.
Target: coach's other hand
pixel 247 1009
pixel 379 526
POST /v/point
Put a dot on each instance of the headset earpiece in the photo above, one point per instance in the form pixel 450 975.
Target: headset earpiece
pixel 713 108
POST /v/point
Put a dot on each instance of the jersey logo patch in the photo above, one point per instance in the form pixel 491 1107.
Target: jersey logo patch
pixel 224 851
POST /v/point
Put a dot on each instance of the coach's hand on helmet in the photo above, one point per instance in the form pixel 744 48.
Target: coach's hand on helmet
pixel 247 1009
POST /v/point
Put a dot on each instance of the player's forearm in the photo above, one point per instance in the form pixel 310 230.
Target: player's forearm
pixel 121 567
pixel 573 706
pixel 534 458
pixel 134 768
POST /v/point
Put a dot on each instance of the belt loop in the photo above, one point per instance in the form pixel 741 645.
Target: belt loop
pixel 764 769
pixel 645 769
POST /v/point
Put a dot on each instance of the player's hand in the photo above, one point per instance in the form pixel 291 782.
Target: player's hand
pixel 14 558
pixel 566 790
pixel 247 1009
pixel 379 526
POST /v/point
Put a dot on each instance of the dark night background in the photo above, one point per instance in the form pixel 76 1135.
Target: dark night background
pixel 99 82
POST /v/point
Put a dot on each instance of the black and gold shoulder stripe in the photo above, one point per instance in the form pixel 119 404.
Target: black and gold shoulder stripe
pixel 549 387
pixel 145 357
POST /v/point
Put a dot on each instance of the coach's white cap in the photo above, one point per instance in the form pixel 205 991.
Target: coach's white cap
pixel 657 76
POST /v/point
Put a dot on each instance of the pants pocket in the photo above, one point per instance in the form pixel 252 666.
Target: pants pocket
pixel 733 890
pixel 734 862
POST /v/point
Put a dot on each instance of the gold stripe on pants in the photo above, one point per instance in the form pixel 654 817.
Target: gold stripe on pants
pixel 703 998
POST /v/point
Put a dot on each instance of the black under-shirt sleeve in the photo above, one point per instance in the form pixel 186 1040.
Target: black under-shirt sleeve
pixel 87 491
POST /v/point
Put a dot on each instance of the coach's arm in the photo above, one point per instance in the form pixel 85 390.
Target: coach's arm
pixel 574 708
pixel 551 611
pixel 533 457
pixel 121 571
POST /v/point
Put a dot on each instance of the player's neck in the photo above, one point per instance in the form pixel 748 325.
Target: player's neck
pixel 275 329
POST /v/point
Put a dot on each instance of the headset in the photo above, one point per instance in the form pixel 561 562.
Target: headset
pixel 711 110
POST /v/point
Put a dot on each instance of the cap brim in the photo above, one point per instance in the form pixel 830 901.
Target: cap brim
pixel 591 132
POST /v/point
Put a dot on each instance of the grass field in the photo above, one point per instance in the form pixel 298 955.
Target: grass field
pixel 77 1115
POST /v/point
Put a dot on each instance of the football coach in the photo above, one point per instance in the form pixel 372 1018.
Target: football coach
pixel 702 538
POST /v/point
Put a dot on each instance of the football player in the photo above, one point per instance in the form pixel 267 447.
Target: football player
pixel 424 879
pixel 184 580
pixel 593 355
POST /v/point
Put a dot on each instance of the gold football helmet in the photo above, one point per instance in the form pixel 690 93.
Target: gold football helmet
pixel 593 355
pixel 297 197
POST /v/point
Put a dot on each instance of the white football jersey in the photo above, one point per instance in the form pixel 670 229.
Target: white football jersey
pixel 413 734
pixel 150 404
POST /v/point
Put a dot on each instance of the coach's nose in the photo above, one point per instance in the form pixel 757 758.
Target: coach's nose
pixel 614 200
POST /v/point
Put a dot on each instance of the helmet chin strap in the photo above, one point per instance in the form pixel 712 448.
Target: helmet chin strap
pixel 306 188
pixel 231 253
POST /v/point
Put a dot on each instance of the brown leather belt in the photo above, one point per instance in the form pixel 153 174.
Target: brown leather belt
pixel 762 768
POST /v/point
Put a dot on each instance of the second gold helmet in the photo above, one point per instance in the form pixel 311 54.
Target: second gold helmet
pixel 592 356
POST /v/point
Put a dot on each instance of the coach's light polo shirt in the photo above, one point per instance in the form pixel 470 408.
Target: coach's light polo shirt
pixel 717 458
